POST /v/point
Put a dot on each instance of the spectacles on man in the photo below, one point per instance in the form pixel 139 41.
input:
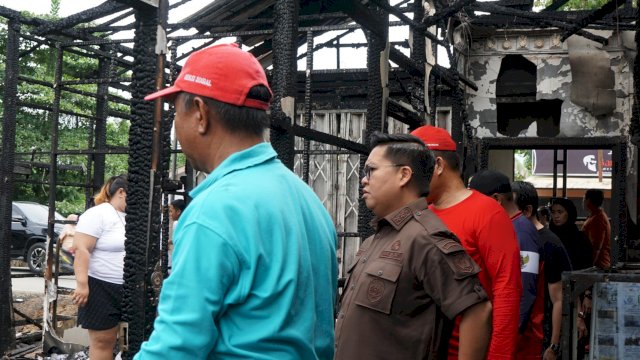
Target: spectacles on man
pixel 367 170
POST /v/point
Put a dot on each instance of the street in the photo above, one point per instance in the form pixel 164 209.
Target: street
pixel 35 284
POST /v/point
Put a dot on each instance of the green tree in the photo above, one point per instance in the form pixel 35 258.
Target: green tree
pixel 33 130
pixel 573 4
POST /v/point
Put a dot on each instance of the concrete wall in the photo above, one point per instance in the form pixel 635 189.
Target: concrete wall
pixel 554 80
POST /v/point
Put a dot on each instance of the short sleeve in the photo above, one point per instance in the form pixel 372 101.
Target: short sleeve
pixel 448 273
pixel 90 222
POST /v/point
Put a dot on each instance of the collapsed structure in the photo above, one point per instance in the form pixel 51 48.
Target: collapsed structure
pixel 518 79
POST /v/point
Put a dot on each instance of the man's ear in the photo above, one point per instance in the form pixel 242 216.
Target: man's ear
pixel 439 166
pixel 527 211
pixel 405 175
pixel 497 198
pixel 202 115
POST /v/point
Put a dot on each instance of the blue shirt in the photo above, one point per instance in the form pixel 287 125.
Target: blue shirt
pixel 531 258
pixel 254 268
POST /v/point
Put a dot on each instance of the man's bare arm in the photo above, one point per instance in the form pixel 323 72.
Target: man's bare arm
pixel 475 331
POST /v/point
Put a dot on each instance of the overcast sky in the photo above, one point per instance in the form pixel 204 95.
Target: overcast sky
pixel 323 59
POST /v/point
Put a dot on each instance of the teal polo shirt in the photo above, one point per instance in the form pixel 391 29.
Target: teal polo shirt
pixel 254 268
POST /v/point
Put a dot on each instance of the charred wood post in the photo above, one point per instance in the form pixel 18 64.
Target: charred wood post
pixel 285 36
pixel 53 179
pixel 635 114
pixel 377 64
pixel 418 55
pixel 100 132
pixel 619 213
pixel 307 104
pixel 7 161
pixel 143 212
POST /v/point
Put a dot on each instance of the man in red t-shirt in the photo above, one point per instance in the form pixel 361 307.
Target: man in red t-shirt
pixel 597 228
pixel 486 233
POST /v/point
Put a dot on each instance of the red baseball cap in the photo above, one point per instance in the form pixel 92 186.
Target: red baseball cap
pixel 435 138
pixel 221 72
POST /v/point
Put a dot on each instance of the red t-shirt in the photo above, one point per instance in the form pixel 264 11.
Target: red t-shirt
pixel 486 233
pixel 598 231
pixel 530 344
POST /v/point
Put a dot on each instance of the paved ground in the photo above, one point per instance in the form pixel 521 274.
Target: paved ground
pixel 35 284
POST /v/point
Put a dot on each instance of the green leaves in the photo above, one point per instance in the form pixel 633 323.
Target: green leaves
pixel 33 125
pixel 573 4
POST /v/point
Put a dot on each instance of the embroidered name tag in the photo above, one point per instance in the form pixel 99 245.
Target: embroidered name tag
pixel 393 255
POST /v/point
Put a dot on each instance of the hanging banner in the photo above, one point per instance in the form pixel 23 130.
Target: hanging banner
pixel 579 162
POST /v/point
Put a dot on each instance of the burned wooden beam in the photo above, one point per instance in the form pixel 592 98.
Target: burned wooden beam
pixel 104 9
pixel 413 24
pixel 315 135
pixel 404 114
pixel 446 13
pixel 593 16
pixel 534 19
pixel 404 61
pixel 557 4
pixel 363 16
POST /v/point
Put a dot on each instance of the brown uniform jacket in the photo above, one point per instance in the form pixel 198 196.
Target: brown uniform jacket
pixel 406 281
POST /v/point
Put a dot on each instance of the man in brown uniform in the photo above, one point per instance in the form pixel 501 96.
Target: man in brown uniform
pixel 412 276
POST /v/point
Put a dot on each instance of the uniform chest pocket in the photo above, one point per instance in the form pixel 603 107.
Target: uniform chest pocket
pixel 378 286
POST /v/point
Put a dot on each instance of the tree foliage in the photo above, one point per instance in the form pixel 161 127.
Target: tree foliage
pixel 573 4
pixel 33 126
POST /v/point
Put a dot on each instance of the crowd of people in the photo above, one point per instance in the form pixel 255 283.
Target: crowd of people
pixel 452 271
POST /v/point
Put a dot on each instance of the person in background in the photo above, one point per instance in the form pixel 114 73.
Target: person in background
pixel 544 215
pixel 597 228
pixel 68 233
pixel 556 261
pixel 412 277
pixel 254 273
pixel 497 185
pixel 99 267
pixel 563 224
pixel 485 232
pixel 175 210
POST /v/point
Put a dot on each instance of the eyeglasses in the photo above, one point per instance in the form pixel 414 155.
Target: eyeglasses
pixel 367 170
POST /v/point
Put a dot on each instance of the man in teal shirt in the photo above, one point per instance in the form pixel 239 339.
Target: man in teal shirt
pixel 254 263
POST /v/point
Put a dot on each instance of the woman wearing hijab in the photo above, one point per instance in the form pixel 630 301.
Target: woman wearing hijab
pixel 563 224
pixel 578 246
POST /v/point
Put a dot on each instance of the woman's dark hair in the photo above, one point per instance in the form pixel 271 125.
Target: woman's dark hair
pixel 110 187
pixel 543 211
pixel 569 206
pixel 405 149
pixel 179 204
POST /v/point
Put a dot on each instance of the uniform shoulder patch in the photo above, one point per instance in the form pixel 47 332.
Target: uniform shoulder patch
pixel 448 246
pixel 401 217
pixel 463 263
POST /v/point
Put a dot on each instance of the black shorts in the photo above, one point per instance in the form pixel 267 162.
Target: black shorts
pixel 103 309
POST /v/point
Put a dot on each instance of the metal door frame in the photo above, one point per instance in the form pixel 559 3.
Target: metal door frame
pixel 618 145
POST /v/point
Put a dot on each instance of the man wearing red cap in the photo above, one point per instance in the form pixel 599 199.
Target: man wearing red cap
pixel 254 264
pixel 486 233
